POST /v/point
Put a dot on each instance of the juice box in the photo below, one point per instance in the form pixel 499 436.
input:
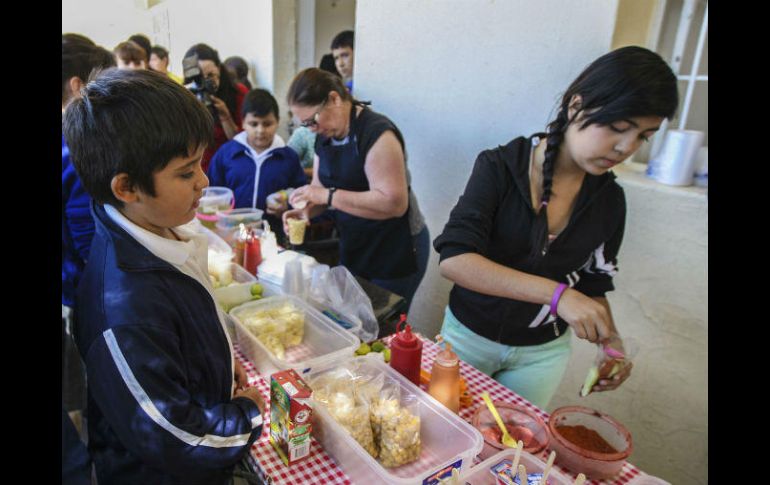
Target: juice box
pixel 290 413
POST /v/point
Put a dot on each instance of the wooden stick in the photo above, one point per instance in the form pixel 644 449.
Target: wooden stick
pixel 517 456
pixel 548 466
pixel 580 479
pixel 523 475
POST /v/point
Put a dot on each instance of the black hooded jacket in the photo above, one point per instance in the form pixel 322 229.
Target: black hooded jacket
pixel 494 218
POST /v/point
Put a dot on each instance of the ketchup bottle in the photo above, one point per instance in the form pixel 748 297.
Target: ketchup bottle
pixel 445 379
pixel 252 254
pixel 406 352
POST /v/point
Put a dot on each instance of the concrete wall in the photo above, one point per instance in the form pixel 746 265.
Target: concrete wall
pixel 331 18
pixel 661 299
pixel 463 76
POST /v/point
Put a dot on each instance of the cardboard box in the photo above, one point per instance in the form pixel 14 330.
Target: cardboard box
pixel 290 413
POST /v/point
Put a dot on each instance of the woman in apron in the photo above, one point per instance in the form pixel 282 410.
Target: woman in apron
pixel 360 174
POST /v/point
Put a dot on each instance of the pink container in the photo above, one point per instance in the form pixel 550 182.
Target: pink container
pixel 593 464
pixel 512 414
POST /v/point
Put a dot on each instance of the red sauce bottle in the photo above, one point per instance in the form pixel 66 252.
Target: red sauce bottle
pixel 406 352
pixel 252 254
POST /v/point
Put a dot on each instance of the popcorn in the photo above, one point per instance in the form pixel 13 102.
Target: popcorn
pixel 277 328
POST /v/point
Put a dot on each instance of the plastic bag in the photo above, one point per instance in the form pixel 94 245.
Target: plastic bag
pixel 611 357
pixel 396 426
pixel 339 296
pixel 345 394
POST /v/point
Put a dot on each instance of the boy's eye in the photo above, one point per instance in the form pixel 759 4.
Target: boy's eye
pixel 618 128
pixel 187 175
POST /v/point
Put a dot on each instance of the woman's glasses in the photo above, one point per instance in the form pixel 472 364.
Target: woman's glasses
pixel 313 120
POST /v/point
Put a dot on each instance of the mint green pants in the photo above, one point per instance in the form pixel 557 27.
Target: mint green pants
pixel 534 372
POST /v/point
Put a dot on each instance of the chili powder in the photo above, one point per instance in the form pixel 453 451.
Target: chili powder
pixel 586 439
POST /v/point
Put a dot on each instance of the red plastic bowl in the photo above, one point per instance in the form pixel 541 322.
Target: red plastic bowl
pixel 510 413
pixel 593 464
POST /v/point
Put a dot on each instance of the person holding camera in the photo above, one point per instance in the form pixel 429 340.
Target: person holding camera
pixel 225 95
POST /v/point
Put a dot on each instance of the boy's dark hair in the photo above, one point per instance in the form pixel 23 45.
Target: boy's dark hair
pixel 132 122
pixel 79 58
pixel 343 39
pixel 130 51
pixel 259 102
pixel 625 83
pixel 144 43
pixel 73 37
pixel 159 51
pixel 226 91
pixel 312 87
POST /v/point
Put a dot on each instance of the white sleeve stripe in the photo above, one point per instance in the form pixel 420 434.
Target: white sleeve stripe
pixel 152 411
pixel 601 265
pixel 256 421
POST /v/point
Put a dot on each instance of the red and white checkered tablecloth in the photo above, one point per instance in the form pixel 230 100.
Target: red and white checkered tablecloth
pixel 320 468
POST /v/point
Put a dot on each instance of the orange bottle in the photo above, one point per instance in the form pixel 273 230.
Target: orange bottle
pixel 445 379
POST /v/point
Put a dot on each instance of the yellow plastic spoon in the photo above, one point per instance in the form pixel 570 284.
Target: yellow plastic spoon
pixel 507 440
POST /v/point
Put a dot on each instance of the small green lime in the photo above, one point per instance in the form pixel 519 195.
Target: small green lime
pixel 378 346
pixel 363 349
pixel 256 289
pixel 386 355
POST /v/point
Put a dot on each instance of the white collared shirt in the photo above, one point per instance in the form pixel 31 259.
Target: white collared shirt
pixel 259 159
pixel 190 256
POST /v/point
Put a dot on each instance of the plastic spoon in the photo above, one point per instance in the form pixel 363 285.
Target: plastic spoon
pixel 507 440
pixel 548 466
pixel 580 479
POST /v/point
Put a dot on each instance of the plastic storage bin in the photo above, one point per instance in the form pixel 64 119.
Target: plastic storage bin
pixel 323 342
pixel 446 438
pixel 229 219
pixel 480 475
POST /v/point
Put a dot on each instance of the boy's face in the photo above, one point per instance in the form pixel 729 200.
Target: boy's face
pixel 158 64
pixel 260 130
pixel 130 64
pixel 343 59
pixel 178 189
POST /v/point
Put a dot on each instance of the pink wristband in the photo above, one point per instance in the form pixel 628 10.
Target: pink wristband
pixel 556 296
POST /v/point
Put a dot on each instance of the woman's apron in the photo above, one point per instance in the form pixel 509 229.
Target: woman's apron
pixel 381 249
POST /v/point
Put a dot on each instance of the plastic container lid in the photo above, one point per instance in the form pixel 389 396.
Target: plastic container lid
pixel 323 340
pixel 446 439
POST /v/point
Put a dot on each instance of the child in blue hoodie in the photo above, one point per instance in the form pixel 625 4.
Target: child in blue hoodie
pixel 256 162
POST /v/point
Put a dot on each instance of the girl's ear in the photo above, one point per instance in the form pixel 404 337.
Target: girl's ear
pixel 123 189
pixel 335 98
pixel 575 103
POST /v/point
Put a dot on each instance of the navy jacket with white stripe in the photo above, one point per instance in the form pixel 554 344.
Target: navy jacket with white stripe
pixel 494 218
pixel 159 370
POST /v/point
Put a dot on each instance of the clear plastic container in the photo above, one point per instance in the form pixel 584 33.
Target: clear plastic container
pixel 446 438
pixel 214 199
pixel 228 219
pixel 480 475
pixel 323 340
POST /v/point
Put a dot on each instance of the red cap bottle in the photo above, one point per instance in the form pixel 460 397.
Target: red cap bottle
pixel 406 352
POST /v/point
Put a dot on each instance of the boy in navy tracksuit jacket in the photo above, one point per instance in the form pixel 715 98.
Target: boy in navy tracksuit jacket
pixel 257 162
pixel 164 405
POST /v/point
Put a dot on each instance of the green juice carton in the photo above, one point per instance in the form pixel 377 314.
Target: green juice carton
pixel 290 412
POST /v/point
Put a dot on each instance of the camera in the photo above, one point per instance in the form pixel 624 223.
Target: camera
pixel 195 82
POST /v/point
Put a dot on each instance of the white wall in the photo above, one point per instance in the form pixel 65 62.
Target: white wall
pixel 463 76
pixel 331 18
pixel 232 27
pixel 106 23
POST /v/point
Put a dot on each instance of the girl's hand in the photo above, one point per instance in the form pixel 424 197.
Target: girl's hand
pixel 587 317
pixel 615 381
